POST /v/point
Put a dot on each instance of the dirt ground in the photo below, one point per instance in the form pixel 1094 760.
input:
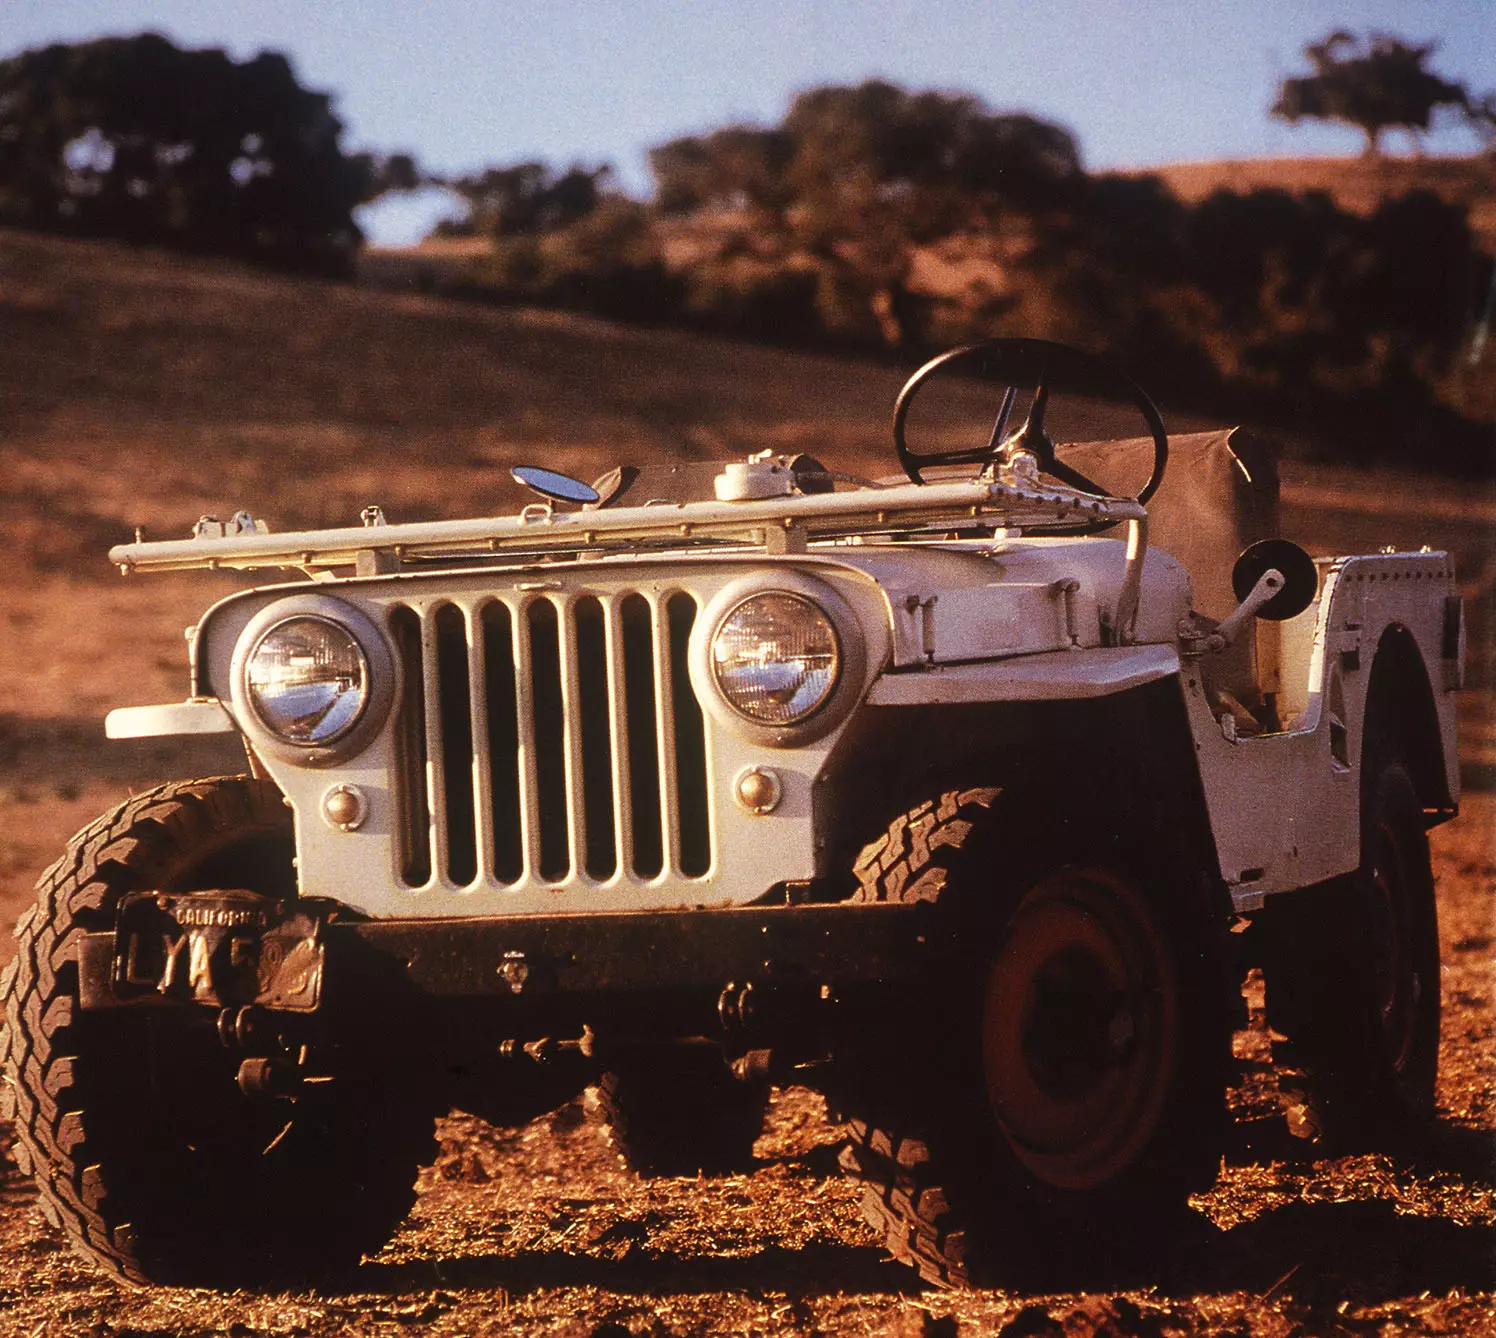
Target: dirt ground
pixel 142 390
pixel 540 1230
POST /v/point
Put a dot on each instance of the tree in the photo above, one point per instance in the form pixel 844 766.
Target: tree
pixel 526 199
pixel 1374 84
pixel 737 167
pixel 131 137
pixel 855 178
pixel 385 174
pixel 1480 112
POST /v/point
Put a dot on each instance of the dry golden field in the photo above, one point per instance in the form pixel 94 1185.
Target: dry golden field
pixel 143 390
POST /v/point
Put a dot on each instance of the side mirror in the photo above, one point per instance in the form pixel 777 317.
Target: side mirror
pixel 554 486
pixel 1273 579
pixel 1300 578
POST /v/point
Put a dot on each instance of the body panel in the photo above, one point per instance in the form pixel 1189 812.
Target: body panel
pixel 1285 805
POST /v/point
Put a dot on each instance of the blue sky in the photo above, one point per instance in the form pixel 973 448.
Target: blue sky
pixel 464 83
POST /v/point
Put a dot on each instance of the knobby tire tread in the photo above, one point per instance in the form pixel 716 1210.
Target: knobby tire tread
pixel 897 1129
pixel 1320 990
pixel 55 1087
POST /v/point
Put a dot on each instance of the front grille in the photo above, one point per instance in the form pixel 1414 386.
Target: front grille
pixel 550 738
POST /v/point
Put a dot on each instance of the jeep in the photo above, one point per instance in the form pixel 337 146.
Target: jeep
pixel 968 797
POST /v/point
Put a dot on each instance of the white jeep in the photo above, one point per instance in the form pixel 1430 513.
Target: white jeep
pixel 969 797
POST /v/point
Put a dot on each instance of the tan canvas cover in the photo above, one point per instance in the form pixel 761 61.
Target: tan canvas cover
pixel 1219 494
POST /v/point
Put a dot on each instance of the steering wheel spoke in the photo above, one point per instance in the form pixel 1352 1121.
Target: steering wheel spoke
pixel 1000 423
pixel 971 456
pixel 1032 437
pixel 1057 468
pixel 1047 369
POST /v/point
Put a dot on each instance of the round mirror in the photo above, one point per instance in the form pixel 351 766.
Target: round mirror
pixel 1300 577
pixel 558 487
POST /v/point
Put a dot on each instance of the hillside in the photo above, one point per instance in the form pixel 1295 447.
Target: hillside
pixel 1344 309
pixel 144 389
pixel 1357 185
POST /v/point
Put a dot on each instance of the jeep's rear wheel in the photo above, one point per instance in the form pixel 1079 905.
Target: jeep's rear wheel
pixel 145 1151
pixel 1063 1091
pixel 679 1110
pixel 1352 973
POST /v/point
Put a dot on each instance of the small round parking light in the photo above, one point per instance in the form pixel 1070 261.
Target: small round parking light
pixel 758 790
pixel 345 807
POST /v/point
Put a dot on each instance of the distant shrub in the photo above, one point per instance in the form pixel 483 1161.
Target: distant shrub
pixel 607 261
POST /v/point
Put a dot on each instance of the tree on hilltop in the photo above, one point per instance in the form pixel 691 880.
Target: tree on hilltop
pixel 134 138
pixel 1481 113
pixel 1375 84
pixel 737 167
pixel 525 199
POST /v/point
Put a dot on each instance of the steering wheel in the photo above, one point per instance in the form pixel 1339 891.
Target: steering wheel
pixel 1043 367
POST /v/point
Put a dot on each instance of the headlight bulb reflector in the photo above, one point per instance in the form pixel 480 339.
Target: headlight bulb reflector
pixel 776 658
pixel 308 680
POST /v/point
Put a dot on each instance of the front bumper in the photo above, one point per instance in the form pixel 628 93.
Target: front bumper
pixel 165 954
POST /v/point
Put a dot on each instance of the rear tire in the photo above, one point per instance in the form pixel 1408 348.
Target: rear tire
pixel 679 1110
pixel 1352 974
pixel 144 1150
pixel 1057 1099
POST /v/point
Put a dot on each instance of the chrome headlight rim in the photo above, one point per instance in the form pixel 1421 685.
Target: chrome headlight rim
pixel 380 675
pixel 845 625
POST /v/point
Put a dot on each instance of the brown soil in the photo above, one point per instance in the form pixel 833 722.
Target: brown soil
pixel 137 389
pixel 539 1230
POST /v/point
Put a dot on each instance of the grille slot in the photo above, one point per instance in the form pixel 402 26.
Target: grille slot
pixel 456 725
pixel 410 751
pixel 646 846
pixel 690 745
pixel 505 826
pixel 550 739
pixel 597 745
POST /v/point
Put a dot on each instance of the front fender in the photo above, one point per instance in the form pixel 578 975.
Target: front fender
pixel 1065 675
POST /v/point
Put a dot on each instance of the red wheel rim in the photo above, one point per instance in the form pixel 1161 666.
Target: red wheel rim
pixel 1080 1028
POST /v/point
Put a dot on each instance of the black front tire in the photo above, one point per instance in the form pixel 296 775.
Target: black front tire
pixel 144 1150
pixel 1055 1101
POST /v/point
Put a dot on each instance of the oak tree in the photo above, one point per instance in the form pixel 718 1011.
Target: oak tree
pixel 1374 84
pixel 134 138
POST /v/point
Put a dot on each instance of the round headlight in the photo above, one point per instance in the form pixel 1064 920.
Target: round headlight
pixel 776 658
pixel 307 680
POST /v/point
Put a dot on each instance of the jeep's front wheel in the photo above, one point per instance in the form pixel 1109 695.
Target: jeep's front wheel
pixel 145 1151
pixel 1060 1092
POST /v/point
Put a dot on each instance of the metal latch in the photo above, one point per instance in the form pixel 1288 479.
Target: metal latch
pixel 926 610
